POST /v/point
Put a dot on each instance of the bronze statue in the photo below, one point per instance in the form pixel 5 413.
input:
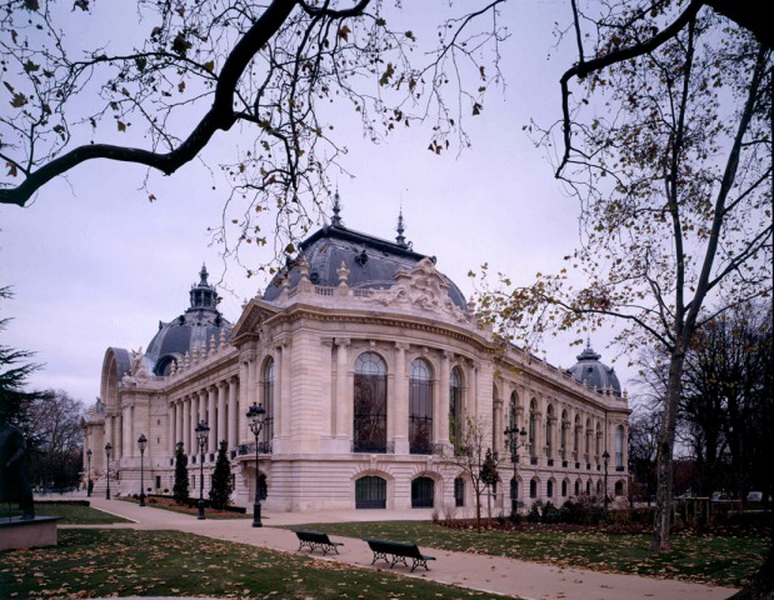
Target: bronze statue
pixel 13 484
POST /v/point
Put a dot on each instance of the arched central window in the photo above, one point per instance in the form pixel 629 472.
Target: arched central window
pixel 420 408
pixel 455 407
pixel 532 429
pixel 267 433
pixel 619 448
pixel 370 410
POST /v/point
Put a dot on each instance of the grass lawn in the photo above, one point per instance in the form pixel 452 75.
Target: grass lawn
pixel 727 561
pixel 72 514
pixel 92 563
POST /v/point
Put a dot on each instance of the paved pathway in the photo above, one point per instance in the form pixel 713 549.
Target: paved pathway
pixel 528 580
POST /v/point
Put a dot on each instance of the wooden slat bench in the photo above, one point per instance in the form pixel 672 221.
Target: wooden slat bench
pixel 315 539
pixel 399 551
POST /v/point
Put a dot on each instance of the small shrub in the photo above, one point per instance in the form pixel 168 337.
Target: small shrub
pixel 534 514
pixel 550 514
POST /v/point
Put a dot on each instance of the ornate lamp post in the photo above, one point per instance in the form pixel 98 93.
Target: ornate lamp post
pixel 202 430
pixel 516 439
pixel 257 416
pixel 606 459
pixel 88 472
pixel 108 448
pixel 142 442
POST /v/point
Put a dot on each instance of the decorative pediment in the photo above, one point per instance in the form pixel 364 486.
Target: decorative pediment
pixel 423 288
pixel 254 313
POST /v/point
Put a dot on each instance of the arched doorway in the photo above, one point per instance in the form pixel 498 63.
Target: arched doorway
pixel 422 492
pixel 371 492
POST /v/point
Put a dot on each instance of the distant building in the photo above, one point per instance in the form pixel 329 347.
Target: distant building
pixel 366 359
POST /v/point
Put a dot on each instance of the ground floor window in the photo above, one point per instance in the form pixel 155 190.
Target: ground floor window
pixel 459 492
pixel 564 488
pixel 619 488
pixel 422 492
pixel 550 488
pixel 371 492
pixel 533 488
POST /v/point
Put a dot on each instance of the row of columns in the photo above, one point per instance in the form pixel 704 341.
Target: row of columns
pixel 582 444
pixel 217 405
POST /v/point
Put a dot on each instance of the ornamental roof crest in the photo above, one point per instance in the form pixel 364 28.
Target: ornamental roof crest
pixel 421 287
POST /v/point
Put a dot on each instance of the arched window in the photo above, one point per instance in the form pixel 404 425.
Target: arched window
pixel 370 492
pixel 512 404
pixel 459 492
pixel 599 487
pixel 370 414
pixel 564 488
pixel 577 487
pixel 588 439
pixel 267 433
pixel 532 430
pixel 588 487
pixel 576 438
pixel 550 488
pixel 422 492
pixel 514 488
pixel 563 436
pixel 420 407
pixel 619 448
pixel 455 406
pixel 619 488
pixel 549 432
pixel 533 488
pixel 598 447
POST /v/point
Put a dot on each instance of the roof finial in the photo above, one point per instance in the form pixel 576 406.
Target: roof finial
pixel 203 274
pixel 401 240
pixel 336 220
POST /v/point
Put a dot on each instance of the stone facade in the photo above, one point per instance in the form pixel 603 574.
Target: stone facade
pixel 363 379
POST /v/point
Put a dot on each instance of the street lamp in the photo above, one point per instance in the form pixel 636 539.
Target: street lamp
pixel 202 430
pixel 142 442
pixel 606 459
pixel 88 472
pixel 516 439
pixel 257 416
pixel 108 448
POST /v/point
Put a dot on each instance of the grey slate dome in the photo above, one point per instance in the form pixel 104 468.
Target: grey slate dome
pixel 200 323
pixel 593 373
pixel 372 262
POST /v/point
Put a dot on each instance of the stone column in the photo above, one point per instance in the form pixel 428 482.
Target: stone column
pixel 342 403
pixel 233 412
pixel 398 409
pixel 212 418
pixel 171 422
pixel 441 401
pixel 221 414
pixel 282 395
pixel 126 428
pixel 186 438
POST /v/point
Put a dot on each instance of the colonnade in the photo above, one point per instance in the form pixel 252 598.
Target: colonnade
pixel 216 404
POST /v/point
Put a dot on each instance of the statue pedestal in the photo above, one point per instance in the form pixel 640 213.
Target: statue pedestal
pixel 17 533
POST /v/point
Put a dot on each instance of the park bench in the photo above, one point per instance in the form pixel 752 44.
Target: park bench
pixel 315 539
pixel 392 552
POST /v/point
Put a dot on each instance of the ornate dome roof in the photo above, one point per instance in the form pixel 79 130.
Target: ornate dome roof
pixel 372 262
pixel 201 323
pixel 593 373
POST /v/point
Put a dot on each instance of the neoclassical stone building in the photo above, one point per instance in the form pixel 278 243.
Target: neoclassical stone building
pixel 367 359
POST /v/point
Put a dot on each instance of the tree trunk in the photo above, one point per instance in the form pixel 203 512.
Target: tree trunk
pixel 664 462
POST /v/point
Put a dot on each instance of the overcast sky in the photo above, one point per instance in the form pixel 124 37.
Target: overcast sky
pixel 93 264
